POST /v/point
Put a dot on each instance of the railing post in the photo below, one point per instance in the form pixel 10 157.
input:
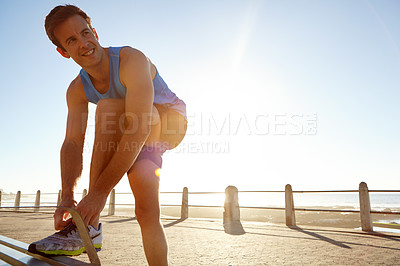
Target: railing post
pixel 17 200
pixel 185 201
pixel 289 206
pixel 59 198
pixel 84 193
pixel 0 198
pixel 231 206
pixel 365 208
pixel 37 201
pixel 111 208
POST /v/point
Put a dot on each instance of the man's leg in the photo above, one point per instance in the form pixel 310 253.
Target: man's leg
pixel 145 186
pixel 142 178
pixel 107 136
pixel 108 132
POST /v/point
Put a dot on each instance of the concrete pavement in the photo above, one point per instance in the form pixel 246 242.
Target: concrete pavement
pixel 208 242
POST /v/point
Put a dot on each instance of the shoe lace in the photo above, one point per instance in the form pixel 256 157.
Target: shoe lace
pixel 67 230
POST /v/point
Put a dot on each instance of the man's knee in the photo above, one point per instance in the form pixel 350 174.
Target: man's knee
pixel 155 117
pixel 109 114
pixel 112 112
pixel 110 105
pixel 147 216
pixel 117 106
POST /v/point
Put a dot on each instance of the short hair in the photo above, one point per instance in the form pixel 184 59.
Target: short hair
pixel 58 15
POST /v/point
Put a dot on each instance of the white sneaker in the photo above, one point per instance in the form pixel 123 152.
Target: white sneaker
pixel 67 242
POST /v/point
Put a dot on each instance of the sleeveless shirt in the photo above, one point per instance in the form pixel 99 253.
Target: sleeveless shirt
pixel 162 94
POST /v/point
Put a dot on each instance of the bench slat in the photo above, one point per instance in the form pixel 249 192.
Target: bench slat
pixel 83 232
pixel 12 256
pixel 22 247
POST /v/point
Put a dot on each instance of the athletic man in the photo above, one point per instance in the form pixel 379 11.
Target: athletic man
pixel 138 118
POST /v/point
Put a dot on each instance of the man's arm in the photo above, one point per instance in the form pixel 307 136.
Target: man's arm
pixel 135 76
pixel 72 148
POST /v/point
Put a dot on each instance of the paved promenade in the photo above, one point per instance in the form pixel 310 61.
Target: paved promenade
pixel 206 242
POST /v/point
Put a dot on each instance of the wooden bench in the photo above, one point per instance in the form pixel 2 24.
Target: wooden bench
pixel 16 253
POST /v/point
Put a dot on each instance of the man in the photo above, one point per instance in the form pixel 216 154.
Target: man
pixel 138 118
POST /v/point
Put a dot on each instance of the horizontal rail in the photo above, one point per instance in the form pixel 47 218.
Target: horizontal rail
pixel 48 193
pixel 261 191
pixel 245 191
pixel 325 191
pixel 387 191
pixel 325 210
pixel 232 201
pixel 383 212
pixel 38 206
pixel 217 206
pixel 354 211
pixel 205 206
pixel 240 191
pixel 206 192
pixel 341 191
pixel 21 211
pixel 26 207
pixel 262 208
pixel 173 192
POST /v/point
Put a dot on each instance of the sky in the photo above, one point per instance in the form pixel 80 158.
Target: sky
pixel 278 92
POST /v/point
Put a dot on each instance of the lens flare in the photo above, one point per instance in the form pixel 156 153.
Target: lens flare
pixel 157 172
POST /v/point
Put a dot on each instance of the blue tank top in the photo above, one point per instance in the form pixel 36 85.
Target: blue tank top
pixel 162 94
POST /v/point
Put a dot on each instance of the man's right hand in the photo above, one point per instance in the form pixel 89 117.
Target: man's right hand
pixel 60 215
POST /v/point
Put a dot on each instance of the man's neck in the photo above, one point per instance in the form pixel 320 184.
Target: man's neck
pixel 100 73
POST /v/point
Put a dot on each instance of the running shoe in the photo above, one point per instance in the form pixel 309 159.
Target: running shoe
pixel 67 242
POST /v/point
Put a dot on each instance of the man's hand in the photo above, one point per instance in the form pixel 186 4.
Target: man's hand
pixel 60 215
pixel 91 206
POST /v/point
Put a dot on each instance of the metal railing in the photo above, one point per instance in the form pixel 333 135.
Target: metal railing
pixel 232 208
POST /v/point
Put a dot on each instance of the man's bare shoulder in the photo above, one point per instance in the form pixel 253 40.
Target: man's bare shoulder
pixel 130 52
pixel 134 65
pixel 132 57
pixel 76 93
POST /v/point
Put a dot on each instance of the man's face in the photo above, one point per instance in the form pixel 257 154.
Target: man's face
pixel 79 41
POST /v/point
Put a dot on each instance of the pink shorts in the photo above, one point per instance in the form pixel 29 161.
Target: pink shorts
pixel 174 127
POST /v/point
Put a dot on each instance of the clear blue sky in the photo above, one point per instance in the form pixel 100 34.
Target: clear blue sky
pixel 299 92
